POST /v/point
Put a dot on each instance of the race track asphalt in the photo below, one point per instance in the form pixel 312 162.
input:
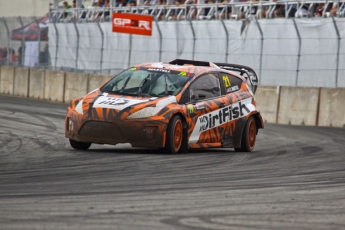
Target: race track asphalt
pixel 294 179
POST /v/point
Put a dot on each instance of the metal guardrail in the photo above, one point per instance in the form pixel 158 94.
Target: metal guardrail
pixel 237 10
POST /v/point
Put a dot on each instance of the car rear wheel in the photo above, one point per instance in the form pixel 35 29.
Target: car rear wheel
pixel 79 145
pixel 248 136
pixel 174 135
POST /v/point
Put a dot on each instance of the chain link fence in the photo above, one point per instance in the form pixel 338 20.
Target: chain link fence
pixel 284 51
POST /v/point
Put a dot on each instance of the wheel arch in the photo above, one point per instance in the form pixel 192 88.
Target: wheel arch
pixel 259 121
pixel 237 140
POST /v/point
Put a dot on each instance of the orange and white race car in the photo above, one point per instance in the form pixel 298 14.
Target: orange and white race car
pixel 171 106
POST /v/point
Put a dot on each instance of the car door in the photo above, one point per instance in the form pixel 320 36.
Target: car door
pixel 205 100
pixel 237 106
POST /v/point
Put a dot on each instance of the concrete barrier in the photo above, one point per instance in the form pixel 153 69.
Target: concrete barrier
pixel 97 80
pixel 21 81
pixel 282 105
pixel 267 99
pixel 75 86
pixel 6 79
pixel 332 109
pixel 54 85
pixel 36 83
pixel 298 105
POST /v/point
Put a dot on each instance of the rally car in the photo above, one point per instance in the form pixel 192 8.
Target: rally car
pixel 171 106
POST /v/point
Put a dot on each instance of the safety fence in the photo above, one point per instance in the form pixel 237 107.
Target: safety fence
pixel 288 51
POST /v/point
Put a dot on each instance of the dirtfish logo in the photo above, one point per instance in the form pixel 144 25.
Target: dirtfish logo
pixel 223 115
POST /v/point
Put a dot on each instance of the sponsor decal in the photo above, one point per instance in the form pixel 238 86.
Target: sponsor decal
pixel 221 116
pixel 132 23
pixel 200 106
pixel 190 108
pixel 185 74
pixel 232 89
pixel 115 103
pixel 159 70
pixel 158 65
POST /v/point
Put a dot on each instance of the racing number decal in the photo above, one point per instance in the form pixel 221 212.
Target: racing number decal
pixel 226 81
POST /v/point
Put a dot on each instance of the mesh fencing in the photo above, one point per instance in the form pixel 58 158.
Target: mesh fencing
pixel 283 51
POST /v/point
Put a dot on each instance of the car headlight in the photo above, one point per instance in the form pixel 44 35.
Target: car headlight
pixel 145 112
pixel 151 111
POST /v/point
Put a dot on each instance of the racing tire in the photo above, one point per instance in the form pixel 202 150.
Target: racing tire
pixel 79 145
pixel 248 136
pixel 174 137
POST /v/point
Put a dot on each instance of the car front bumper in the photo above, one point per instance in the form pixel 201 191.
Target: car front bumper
pixel 138 132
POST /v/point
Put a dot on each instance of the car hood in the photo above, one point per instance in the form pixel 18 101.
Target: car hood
pixel 130 104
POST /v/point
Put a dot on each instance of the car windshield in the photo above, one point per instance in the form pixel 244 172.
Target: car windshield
pixel 147 82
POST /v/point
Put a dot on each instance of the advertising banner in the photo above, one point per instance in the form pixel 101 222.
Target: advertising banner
pixel 132 23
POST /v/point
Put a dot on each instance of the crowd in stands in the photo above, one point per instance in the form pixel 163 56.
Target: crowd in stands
pixel 225 9
pixel 9 56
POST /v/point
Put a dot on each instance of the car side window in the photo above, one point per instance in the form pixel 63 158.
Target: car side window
pixel 231 83
pixel 204 87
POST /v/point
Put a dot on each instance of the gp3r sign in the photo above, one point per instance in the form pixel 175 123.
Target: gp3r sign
pixel 132 23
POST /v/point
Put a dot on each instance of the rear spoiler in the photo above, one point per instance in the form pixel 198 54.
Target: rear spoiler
pixel 245 71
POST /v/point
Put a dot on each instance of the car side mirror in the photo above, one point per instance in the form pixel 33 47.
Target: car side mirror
pixel 201 96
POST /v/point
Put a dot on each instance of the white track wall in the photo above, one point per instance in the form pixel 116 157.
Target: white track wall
pixel 286 52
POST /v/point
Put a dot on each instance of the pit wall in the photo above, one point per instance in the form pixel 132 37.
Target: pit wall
pixel 312 106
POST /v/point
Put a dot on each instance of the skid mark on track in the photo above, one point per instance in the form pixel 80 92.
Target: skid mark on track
pixel 9 143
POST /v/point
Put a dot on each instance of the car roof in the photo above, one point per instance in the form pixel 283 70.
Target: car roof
pixel 188 66
pixel 200 67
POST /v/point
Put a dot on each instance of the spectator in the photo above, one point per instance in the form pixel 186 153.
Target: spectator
pixel 20 56
pixel 191 10
pixel 12 56
pixel 3 54
pixel 101 3
pixel 65 5
pixel 333 12
pixel 221 10
pixel 44 56
pixel 302 12
pixel 74 4
pixel 150 2
pixel 279 11
pixel 132 3
pixel 319 9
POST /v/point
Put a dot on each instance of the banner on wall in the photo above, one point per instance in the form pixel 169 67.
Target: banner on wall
pixel 132 23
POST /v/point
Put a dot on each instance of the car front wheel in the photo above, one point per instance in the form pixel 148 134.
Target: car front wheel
pixel 79 145
pixel 248 136
pixel 174 135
